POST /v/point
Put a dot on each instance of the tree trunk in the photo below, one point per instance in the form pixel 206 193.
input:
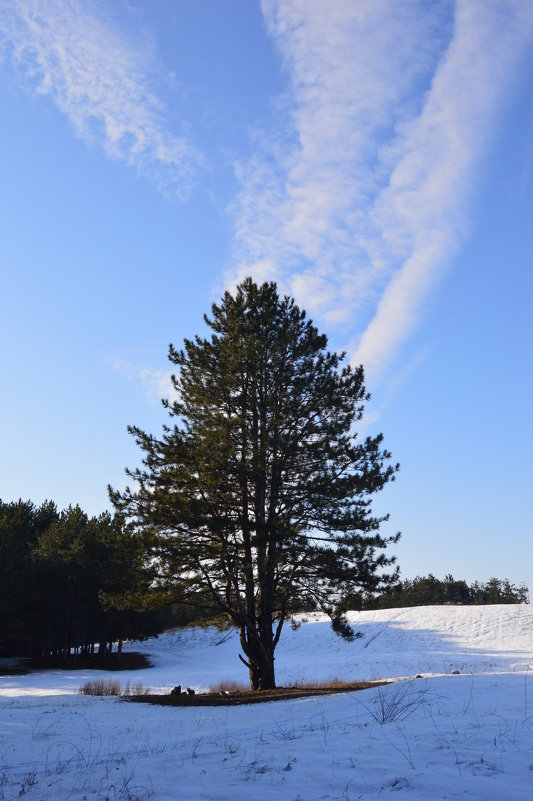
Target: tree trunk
pixel 251 661
pixel 267 679
pixel 255 677
pixel 261 673
pixel 258 644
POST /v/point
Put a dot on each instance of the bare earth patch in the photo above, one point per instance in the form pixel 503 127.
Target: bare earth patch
pixel 250 697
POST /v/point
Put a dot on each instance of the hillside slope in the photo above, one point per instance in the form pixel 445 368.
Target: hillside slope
pixel 441 738
pixel 394 643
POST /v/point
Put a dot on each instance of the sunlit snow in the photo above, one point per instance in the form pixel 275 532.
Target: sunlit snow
pixel 442 736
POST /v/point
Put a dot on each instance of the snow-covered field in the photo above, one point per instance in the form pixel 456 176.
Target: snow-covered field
pixel 439 737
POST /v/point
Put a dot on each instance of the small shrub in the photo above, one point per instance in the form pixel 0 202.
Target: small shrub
pixel 397 703
pixel 100 687
pixel 112 687
pixel 135 689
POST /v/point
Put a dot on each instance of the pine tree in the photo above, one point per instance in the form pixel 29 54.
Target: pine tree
pixel 257 499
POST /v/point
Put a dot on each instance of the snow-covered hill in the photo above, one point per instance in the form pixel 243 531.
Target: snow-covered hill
pixel 395 643
pixel 440 737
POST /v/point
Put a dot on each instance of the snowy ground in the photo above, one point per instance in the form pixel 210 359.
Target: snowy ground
pixel 440 737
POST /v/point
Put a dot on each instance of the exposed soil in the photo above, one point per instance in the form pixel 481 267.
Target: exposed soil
pixel 250 697
pixel 129 660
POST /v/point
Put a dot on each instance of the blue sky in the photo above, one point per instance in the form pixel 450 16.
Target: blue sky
pixel 375 158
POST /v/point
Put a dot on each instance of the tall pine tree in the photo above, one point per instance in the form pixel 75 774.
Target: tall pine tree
pixel 257 499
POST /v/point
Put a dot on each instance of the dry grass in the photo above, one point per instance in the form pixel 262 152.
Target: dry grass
pixel 102 687
pixel 333 683
pixel 135 689
pixel 226 686
pixel 225 694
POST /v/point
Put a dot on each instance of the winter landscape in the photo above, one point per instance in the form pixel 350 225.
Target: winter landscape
pixel 442 736
pixel 325 208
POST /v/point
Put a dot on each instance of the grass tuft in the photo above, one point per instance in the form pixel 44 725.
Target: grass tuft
pixel 333 683
pixel 229 686
pixel 135 689
pixel 104 687
pixel 225 686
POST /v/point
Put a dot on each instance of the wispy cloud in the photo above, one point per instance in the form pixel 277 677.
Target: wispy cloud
pixel 156 384
pixel 72 51
pixel 358 200
pixel 421 212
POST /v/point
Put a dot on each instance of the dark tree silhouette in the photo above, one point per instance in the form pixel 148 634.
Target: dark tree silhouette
pixel 257 499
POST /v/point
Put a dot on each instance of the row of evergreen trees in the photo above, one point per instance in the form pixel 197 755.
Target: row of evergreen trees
pixel 72 584
pixel 429 590
pixel 63 579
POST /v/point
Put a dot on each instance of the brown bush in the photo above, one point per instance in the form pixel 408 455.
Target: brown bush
pixel 113 687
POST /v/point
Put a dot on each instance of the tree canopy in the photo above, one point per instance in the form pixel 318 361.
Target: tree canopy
pixel 256 498
pixel 64 578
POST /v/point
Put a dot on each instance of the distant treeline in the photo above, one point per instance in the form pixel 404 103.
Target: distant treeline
pixel 72 585
pixel 60 576
pixel 429 590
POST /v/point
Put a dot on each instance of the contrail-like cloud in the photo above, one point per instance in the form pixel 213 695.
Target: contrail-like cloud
pixel 358 199
pixel 101 80
pixel 421 212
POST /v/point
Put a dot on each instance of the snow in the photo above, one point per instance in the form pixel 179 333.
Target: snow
pixel 439 737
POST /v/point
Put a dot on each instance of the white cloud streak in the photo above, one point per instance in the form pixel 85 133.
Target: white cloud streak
pixel 421 211
pixel 157 384
pixel 359 203
pixel 101 80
